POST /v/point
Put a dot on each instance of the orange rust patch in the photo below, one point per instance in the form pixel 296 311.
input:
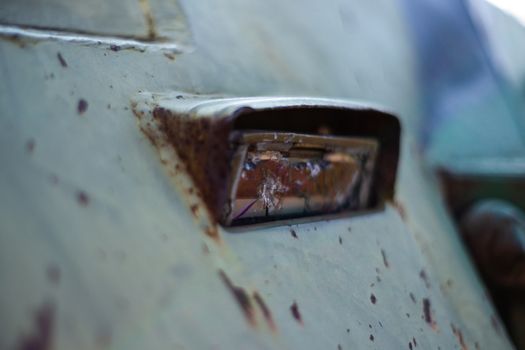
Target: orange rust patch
pixel 202 145
pixel 212 232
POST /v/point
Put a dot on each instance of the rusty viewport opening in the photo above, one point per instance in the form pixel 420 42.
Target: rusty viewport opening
pixel 278 175
pixel 265 160
pixel 309 161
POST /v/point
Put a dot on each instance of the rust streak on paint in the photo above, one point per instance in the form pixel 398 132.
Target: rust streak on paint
pixel 61 59
pixel 194 209
pixel 212 232
pixel 385 260
pixel 400 209
pixel 459 335
pixel 41 337
pixel 412 297
pixel 423 275
pixel 427 313
pixel 242 298
pixel 82 106
pixel 170 56
pixel 294 309
pixel 265 310
pixel 202 146
pixel 18 40
pixel 148 18
pixel 204 154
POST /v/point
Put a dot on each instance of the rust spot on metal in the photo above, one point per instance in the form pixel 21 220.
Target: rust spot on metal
pixel 242 298
pixel 18 40
pixel 294 308
pixel 427 313
pixel 61 59
pixel 400 209
pixel 169 56
pixel 115 48
pixel 373 298
pixel 200 144
pixel 212 232
pixel 194 208
pixel 82 198
pixel 413 298
pixel 265 310
pixel 82 106
pixel 424 277
pixel 385 261
pixel 53 274
pixel 30 146
pixel 41 337
pixel 294 234
pixel 459 336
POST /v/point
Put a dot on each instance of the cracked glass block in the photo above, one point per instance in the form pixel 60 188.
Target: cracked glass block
pixel 286 175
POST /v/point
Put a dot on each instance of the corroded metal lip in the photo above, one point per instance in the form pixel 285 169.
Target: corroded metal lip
pixel 218 139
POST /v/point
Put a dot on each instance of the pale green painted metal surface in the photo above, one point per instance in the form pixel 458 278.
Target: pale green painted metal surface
pixel 92 223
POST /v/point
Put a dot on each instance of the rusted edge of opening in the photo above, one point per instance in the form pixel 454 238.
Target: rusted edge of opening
pixel 204 144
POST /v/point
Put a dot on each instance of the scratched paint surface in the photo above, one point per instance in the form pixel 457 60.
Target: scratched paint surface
pixel 103 246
